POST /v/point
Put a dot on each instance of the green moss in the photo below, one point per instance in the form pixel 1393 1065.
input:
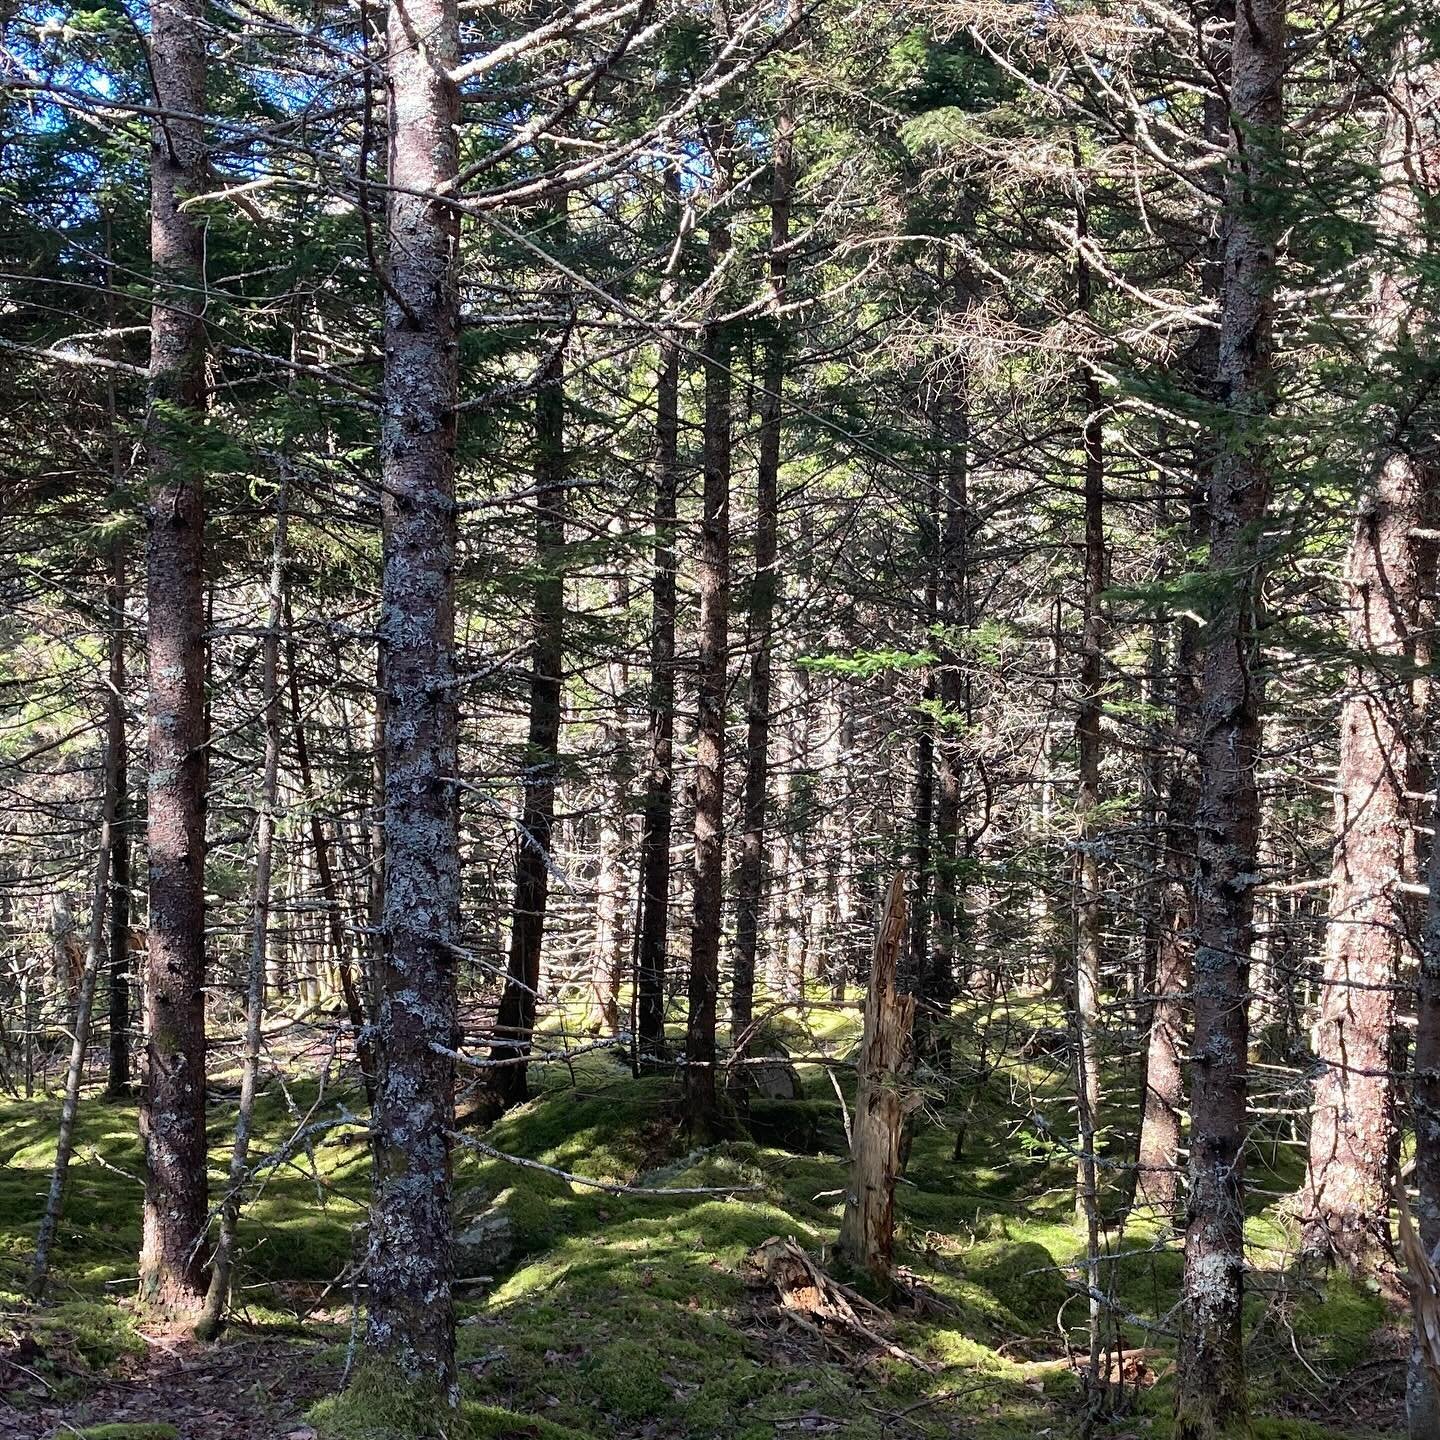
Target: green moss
pixel 1336 1327
pixel 1022 1277
pixel 626 1377
pixel 627 1313
pixel 298 1227
pixel 1272 1428
pixel 143 1430
pixel 380 1403
pixel 99 1332
pixel 485 1422
pixel 623 1128
pixel 792 1124
pixel 305 1246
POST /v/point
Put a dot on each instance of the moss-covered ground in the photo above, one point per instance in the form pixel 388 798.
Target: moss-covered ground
pixel 635 1316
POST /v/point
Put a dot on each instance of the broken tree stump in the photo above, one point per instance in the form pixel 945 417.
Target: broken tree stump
pixel 882 1102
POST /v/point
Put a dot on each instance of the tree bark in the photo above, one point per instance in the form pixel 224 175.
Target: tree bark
pixel 1164 1094
pixel 1422 1402
pixel 1401 221
pixel 410 1322
pixel 375 896
pixel 117 743
pixel 1056 963
pixel 1211 1395
pixel 702 1104
pixel 867 1229
pixel 1089 935
pixel 1346 1197
pixel 173 1103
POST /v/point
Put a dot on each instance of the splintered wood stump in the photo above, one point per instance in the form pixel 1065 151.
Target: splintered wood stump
pixel 882 1102
pixel 1424 1285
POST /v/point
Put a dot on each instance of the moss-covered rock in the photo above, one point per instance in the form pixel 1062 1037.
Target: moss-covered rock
pixel 486 1245
pixel 789 1124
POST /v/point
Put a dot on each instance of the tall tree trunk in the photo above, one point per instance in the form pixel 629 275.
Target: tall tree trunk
pixel 117 745
pixel 1346 1200
pixel 515 1021
pixel 375 896
pixel 1210 1396
pixel 1422 1401
pixel 1089 937
pixel 1164 1092
pixel 410 1314
pixel 652 929
pixel 172 1117
pixel 1056 963
pixel 117 750
pixel 702 1106
pixel 953 602
pixel 750 885
pixel 80 1031
pixel 608 958
pixel 218 1295
pixel 1089 941
pixel 922 843
pixel 325 872
pixel 1346 1196
pixel 1399 323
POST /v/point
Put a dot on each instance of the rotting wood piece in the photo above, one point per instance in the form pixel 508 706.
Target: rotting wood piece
pixel 818 1303
pixel 1424 1285
pixel 882 1102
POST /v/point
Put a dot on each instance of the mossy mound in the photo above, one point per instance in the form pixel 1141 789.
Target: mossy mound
pixel 126 1430
pixel 485 1422
pixel 381 1404
pixel 378 1405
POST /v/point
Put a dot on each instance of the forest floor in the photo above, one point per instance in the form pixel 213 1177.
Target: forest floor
pixel 640 1317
